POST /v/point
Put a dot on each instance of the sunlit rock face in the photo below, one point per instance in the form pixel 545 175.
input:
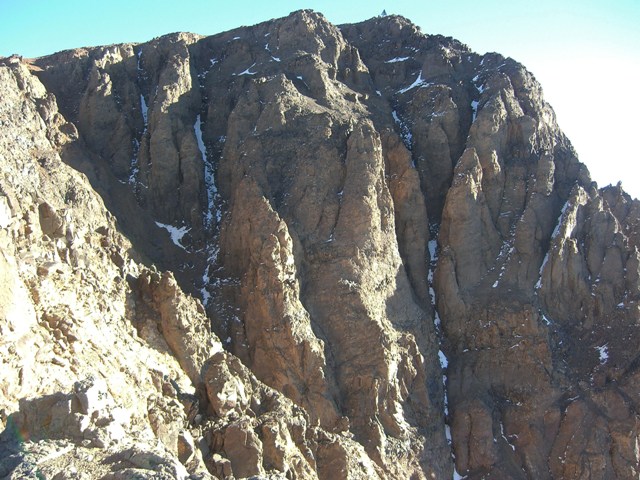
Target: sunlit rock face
pixel 301 250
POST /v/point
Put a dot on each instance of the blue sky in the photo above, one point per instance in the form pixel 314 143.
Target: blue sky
pixel 585 53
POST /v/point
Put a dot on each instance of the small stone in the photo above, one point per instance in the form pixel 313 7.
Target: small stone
pixel 186 446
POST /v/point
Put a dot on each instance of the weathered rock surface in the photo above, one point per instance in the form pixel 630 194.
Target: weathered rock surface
pixel 109 370
pixel 408 267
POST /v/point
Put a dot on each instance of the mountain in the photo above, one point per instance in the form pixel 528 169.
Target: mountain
pixel 300 250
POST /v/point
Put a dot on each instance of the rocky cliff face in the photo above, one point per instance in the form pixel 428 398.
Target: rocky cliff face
pixel 296 250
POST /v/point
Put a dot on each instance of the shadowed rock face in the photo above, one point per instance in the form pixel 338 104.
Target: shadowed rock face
pixel 408 267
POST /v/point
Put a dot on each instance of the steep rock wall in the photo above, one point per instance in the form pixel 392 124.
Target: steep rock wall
pixel 385 228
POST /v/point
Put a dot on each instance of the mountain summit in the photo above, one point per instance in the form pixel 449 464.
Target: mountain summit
pixel 300 250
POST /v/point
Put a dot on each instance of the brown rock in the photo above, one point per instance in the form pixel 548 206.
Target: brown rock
pixel 292 174
pixel 243 447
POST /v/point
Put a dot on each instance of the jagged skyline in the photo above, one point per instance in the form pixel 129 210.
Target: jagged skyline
pixel 569 47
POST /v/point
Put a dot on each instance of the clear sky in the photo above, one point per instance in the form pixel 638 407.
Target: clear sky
pixel 586 53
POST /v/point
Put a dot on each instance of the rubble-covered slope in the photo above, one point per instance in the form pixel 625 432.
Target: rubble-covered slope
pixel 408 267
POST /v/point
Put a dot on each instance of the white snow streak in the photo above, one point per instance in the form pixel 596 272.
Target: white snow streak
pixel 134 169
pixel 604 353
pixel 456 475
pixel 444 363
pixel 474 109
pixel 544 263
pixel 505 437
pixel 556 231
pixel 247 71
pixel 209 176
pixel 432 245
pixel 419 82
pixel 266 47
pixel 405 133
pixel 197 127
pixel 479 86
pixel 397 59
pixel 175 233
pixel 145 110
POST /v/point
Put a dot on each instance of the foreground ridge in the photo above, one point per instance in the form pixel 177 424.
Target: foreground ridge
pixel 301 250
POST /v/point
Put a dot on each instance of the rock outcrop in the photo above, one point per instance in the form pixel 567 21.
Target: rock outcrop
pixel 297 250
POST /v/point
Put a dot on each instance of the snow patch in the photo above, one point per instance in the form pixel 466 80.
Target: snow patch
pixel 209 176
pixel 474 110
pixel 444 363
pixel 175 233
pixel 397 59
pixel 556 230
pixel 247 71
pixel 197 127
pixel 544 263
pixel 569 224
pixel 433 246
pixel 604 353
pixel 405 133
pixel 139 66
pixel 419 82
pixel 144 110
pixel 134 169
pixel 206 276
pixel 476 83
pixel 505 437
pixel 446 397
